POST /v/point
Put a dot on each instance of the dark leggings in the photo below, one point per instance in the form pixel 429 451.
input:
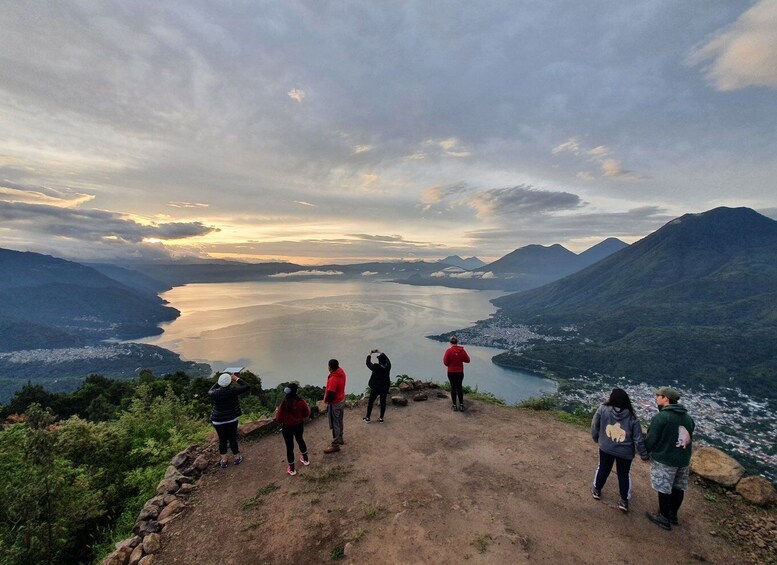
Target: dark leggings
pixel 227 434
pixel 622 466
pixel 290 433
pixel 373 396
pixel 669 504
pixel 456 380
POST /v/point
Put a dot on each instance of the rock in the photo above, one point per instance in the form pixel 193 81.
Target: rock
pixel 404 387
pixel 171 509
pixel 432 384
pixel 180 459
pixel 171 471
pixel 714 465
pixel 211 437
pixel 418 385
pixel 321 405
pixel 441 394
pixel 157 501
pixel 147 560
pixel 201 463
pixel 118 557
pixel 757 490
pixel 420 397
pixel 399 401
pixel 152 543
pixel 394 390
pixel 314 412
pixel 149 512
pixel 146 527
pixel 348 549
pixel 186 488
pixel 167 486
pixel 129 542
pixel 257 428
pixel 136 555
pixel 168 499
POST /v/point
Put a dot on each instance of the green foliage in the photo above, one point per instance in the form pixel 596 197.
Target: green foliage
pixel 338 552
pixel 402 379
pixel 544 402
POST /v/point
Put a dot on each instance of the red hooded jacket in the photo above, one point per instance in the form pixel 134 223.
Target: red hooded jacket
pixel 454 359
pixel 296 415
pixel 336 383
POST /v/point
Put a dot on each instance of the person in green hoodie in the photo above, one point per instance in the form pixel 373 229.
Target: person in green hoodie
pixel 669 441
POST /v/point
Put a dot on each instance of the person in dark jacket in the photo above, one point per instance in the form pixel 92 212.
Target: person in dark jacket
pixel 616 428
pixel 226 412
pixel 380 382
pixel 454 359
pixel 669 441
pixel 291 414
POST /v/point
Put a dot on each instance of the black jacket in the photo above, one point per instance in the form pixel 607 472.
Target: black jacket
pixel 226 404
pixel 380 380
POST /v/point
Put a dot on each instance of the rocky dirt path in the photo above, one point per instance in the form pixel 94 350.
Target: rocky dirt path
pixel 490 485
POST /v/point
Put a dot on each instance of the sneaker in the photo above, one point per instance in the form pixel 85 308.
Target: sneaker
pixel 334 448
pixel 238 460
pixel 291 471
pixel 623 506
pixel 380 420
pixel 461 408
pixel 673 520
pixel 455 408
pixel 304 461
pixel 660 520
pixel 596 493
pixel 366 419
pixel 223 464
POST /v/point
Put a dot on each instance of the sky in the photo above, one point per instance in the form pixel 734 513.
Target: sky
pixel 349 131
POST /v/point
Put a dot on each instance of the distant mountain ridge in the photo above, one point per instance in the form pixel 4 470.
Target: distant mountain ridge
pixel 695 301
pixel 470 263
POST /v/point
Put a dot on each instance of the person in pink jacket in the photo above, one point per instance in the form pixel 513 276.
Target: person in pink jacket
pixel 291 414
pixel 454 359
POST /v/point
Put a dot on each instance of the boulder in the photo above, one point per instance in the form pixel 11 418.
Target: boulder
pixel 118 557
pixel 405 387
pixel 145 527
pixel 147 560
pixel 257 428
pixel 201 463
pixel 152 543
pixel 149 512
pixel 321 405
pixel 418 385
pixel 180 459
pixel 420 397
pixel 211 437
pixel 394 390
pixel 441 394
pixel 432 384
pixel 757 490
pixel 136 555
pixel 170 510
pixel 171 471
pixel 399 401
pixel 714 465
pixel 167 486
pixel 186 488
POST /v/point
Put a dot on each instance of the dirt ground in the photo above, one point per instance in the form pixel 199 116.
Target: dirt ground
pixel 490 485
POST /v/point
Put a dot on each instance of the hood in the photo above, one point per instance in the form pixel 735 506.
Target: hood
pixel 677 408
pixel 338 373
pixel 619 414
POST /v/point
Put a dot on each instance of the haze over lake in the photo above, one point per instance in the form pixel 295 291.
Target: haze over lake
pixel 288 330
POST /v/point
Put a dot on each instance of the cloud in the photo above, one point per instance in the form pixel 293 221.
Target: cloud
pixel 32 194
pixel 599 155
pixel 357 149
pixel 369 273
pixel 522 200
pixel 572 145
pixel 743 54
pixel 296 94
pixel 303 203
pixel 311 273
pixel 467 275
pixel 384 238
pixel 585 175
pixel 88 225
pixel 436 194
pixel 187 205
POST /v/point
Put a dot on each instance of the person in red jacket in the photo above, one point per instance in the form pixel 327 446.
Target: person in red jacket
pixel 291 414
pixel 334 397
pixel 454 359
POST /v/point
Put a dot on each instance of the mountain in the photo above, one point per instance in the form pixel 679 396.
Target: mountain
pixel 135 280
pixel 600 251
pixel 70 298
pixel 551 261
pixel 695 301
pixel 470 263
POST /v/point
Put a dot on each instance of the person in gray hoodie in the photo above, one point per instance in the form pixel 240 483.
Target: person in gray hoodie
pixel 616 428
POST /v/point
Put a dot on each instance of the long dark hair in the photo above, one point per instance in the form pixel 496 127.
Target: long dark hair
pixel 291 398
pixel 619 398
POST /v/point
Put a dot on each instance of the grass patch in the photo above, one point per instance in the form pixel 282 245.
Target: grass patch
pixel 374 512
pixel 256 500
pixel 481 543
pixel 338 552
pixel 579 417
pixel 325 475
pixel 709 497
pixel 544 402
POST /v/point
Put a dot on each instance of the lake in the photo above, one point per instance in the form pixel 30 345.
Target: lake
pixel 287 330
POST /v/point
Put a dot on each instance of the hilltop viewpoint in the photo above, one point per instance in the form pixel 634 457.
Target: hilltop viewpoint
pixel 489 485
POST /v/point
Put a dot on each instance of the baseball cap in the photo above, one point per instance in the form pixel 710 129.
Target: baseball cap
pixel 669 392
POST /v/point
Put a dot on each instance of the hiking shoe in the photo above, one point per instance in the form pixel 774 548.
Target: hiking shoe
pixel 596 493
pixel 455 408
pixel 238 460
pixel 338 441
pixel 223 464
pixel 623 506
pixel 659 520
pixel 673 520
pixel 366 419
pixel 334 448
pixel 304 461
pixel 380 420
pixel 291 471
pixel 461 408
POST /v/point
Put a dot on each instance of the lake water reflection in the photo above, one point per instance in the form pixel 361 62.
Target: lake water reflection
pixel 285 330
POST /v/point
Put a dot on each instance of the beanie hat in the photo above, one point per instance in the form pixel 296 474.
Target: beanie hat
pixel 225 379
